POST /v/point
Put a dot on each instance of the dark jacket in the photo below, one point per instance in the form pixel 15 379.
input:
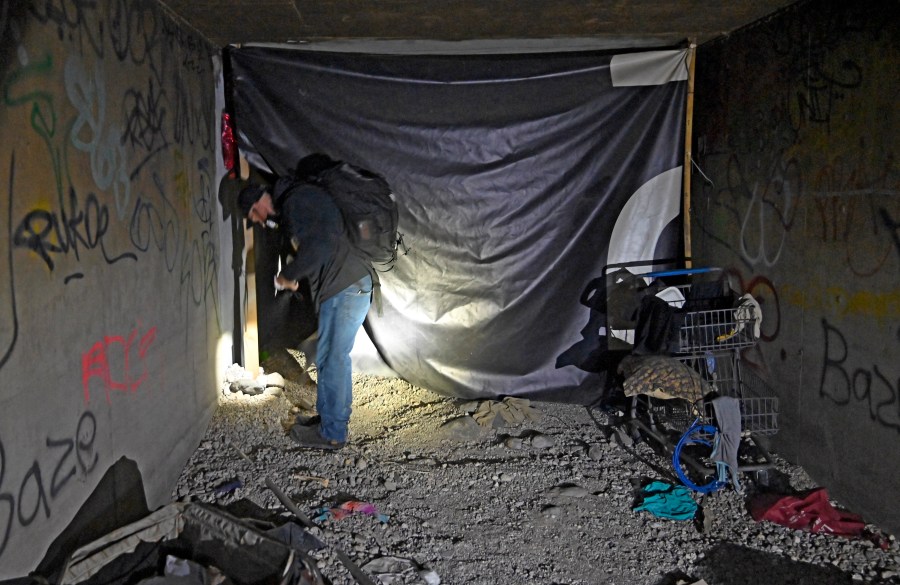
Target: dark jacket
pixel 314 229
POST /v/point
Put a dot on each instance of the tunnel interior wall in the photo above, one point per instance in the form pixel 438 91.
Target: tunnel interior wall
pixel 795 192
pixel 112 320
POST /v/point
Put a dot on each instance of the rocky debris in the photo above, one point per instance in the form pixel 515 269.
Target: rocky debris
pixel 545 500
pixel 541 441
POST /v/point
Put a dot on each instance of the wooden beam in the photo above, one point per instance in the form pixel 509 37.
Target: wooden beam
pixel 688 130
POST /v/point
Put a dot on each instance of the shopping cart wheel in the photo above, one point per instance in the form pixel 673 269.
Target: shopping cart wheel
pixel 691 458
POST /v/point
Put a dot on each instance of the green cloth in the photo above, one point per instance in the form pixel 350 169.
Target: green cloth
pixel 667 501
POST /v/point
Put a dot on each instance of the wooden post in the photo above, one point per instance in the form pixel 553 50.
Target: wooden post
pixel 689 123
pixel 251 317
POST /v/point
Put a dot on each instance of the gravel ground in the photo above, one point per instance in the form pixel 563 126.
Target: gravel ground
pixel 544 501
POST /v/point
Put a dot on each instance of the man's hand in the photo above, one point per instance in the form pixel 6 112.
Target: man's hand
pixel 282 283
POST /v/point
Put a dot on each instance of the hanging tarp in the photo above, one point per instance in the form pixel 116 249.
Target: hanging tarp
pixel 518 177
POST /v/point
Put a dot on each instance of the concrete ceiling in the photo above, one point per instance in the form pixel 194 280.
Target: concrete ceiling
pixel 585 23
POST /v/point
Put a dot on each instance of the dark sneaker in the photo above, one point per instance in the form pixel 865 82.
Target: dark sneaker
pixel 308 420
pixel 310 438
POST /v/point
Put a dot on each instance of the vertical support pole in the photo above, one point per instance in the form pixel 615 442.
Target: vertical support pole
pixel 251 322
pixel 689 125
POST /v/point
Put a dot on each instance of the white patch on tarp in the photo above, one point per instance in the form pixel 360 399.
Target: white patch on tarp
pixel 365 356
pixel 641 222
pixel 650 68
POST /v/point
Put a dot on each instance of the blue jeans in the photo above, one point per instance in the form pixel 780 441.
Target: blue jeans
pixel 339 320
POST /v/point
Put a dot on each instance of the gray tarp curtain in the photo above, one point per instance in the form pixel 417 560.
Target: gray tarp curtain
pixel 518 178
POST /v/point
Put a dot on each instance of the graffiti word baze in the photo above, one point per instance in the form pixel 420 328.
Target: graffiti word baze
pixel 23 501
pixel 842 382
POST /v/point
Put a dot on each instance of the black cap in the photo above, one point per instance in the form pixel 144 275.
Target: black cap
pixel 250 195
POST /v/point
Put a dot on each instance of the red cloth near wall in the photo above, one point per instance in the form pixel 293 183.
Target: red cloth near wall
pixel 809 510
pixel 229 143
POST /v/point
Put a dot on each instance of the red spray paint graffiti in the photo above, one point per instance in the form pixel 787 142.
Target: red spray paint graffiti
pixel 96 363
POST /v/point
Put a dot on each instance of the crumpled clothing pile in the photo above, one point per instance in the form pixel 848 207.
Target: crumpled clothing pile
pixel 511 410
pixel 667 501
pixel 810 510
pixel 397 570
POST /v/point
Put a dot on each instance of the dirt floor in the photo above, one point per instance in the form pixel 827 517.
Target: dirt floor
pixel 435 490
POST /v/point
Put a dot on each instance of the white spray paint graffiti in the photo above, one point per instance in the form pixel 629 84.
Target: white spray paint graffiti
pixel 104 145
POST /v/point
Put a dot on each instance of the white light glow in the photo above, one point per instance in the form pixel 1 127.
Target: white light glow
pixel 224 353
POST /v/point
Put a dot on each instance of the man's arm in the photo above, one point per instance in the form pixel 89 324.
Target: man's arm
pixel 314 223
pixel 282 283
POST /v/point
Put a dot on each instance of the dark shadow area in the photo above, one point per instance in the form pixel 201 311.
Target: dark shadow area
pixel 13 20
pixel 229 188
pixel 228 194
pixel 727 564
pixel 591 354
pixel 284 319
pixel 613 300
pixel 590 390
pixel 118 500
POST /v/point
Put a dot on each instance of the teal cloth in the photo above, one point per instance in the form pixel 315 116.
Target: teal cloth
pixel 667 501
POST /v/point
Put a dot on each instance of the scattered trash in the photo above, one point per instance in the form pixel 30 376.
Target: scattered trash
pixel 247 386
pixel 228 487
pixel 665 500
pixel 361 577
pixel 187 572
pixel 240 381
pixel 390 570
pixel 350 507
pixel 210 544
pixel 322 480
pixel 273 380
pixel 236 372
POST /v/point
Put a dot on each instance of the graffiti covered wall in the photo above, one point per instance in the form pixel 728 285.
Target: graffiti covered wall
pixel 110 310
pixel 799 196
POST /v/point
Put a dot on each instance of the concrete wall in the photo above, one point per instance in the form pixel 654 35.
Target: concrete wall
pixel 114 312
pixel 796 130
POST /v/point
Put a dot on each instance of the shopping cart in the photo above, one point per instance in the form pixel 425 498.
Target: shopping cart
pixel 708 326
pixel 690 432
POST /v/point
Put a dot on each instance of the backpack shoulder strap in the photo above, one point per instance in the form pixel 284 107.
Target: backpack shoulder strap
pixel 281 190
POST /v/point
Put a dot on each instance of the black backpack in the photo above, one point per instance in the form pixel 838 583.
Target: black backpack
pixel 369 210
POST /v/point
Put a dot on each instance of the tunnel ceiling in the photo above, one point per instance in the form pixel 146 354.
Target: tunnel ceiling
pixel 597 23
